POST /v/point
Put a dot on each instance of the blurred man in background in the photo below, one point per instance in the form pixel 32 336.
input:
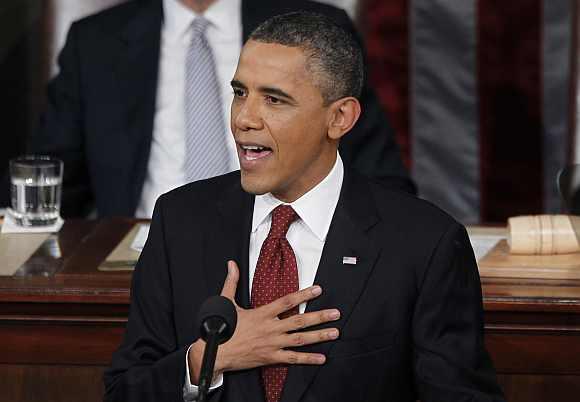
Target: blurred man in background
pixel 138 105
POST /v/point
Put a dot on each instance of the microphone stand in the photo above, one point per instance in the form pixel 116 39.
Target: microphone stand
pixel 213 327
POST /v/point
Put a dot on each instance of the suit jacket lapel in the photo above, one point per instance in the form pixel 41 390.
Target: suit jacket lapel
pixel 235 210
pixel 342 284
pixel 136 74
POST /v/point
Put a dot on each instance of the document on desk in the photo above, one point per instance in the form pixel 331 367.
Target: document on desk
pixel 483 245
pixel 16 249
pixel 140 238
pixel 124 257
pixel 483 240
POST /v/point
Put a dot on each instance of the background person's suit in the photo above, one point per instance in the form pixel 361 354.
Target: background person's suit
pixel 411 322
pixel 101 107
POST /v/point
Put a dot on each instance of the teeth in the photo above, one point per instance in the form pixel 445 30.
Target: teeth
pixel 252 148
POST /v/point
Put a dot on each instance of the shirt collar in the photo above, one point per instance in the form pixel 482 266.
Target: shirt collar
pixel 177 17
pixel 315 208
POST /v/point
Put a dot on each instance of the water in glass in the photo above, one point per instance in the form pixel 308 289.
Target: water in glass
pixel 35 190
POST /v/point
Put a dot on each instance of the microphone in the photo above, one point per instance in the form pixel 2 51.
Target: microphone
pixel 217 319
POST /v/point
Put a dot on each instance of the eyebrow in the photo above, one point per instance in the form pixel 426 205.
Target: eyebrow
pixel 237 84
pixel 276 92
pixel 267 90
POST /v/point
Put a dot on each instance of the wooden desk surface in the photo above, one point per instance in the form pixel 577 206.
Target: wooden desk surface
pixel 85 244
pixel 60 330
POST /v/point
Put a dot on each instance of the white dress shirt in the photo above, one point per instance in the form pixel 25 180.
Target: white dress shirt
pixel 306 235
pixel 165 170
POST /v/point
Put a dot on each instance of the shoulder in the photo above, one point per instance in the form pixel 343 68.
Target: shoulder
pixel 198 209
pixel 417 220
pixel 417 232
pixel 119 12
pixel 410 206
pixel 115 19
pixel 203 194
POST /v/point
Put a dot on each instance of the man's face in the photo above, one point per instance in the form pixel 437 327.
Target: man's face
pixel 279 122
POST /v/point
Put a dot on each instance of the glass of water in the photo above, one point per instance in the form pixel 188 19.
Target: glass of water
pixel 35 189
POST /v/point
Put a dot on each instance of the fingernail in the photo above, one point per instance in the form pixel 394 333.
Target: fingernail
pixel 320 359
pixel 334 315
pixel 316 290
pixel 332 334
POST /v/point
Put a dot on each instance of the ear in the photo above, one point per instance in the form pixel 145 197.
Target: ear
pixel 344 113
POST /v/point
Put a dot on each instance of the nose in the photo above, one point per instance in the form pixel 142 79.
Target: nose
pixel 246 114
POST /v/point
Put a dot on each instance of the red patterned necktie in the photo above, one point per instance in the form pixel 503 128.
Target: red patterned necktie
pixel 276 275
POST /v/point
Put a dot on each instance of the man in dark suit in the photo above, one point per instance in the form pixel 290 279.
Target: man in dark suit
pixel 103 107
pixel 394 309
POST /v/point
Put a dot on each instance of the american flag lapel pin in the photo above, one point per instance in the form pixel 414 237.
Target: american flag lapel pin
pixel 349 260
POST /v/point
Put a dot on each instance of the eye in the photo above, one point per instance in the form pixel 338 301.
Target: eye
pixel 239 93
pixel 273 100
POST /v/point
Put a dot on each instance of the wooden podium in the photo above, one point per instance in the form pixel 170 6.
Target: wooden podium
pixel 57 332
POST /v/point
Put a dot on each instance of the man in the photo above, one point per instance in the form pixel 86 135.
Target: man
pixel 346 290
pixel 118 116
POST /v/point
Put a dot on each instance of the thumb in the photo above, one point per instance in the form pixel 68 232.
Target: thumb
pixel 231 282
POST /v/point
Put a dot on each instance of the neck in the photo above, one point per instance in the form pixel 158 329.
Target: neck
pixel 198 6
pixel 309 180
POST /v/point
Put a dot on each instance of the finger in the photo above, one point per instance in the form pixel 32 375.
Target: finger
pixel 292 300
pixel 291 357
pixel 231 282
pixel 309 337
pixel 300 321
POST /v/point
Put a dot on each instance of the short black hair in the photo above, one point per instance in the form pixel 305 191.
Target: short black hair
pixel 334 56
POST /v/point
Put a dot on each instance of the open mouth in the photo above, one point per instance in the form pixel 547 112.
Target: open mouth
pixel 254 152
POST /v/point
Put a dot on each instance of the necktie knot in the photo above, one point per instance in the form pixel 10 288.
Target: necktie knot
pixel 282 218
pixel 199 26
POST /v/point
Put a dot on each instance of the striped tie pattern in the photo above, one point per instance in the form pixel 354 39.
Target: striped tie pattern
pixel 206 147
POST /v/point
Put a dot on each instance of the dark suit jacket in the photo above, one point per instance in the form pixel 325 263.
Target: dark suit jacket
pixel 101 107
pixel 411 322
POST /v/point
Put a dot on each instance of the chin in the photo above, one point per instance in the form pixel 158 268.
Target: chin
pixel 253 185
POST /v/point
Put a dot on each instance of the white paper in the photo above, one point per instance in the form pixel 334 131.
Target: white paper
pixel 16 248
pixel 140 238
pixel 9 226
pixel 482 244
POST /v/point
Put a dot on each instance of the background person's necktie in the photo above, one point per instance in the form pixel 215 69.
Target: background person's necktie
pixel 206 142
pixel 276 275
